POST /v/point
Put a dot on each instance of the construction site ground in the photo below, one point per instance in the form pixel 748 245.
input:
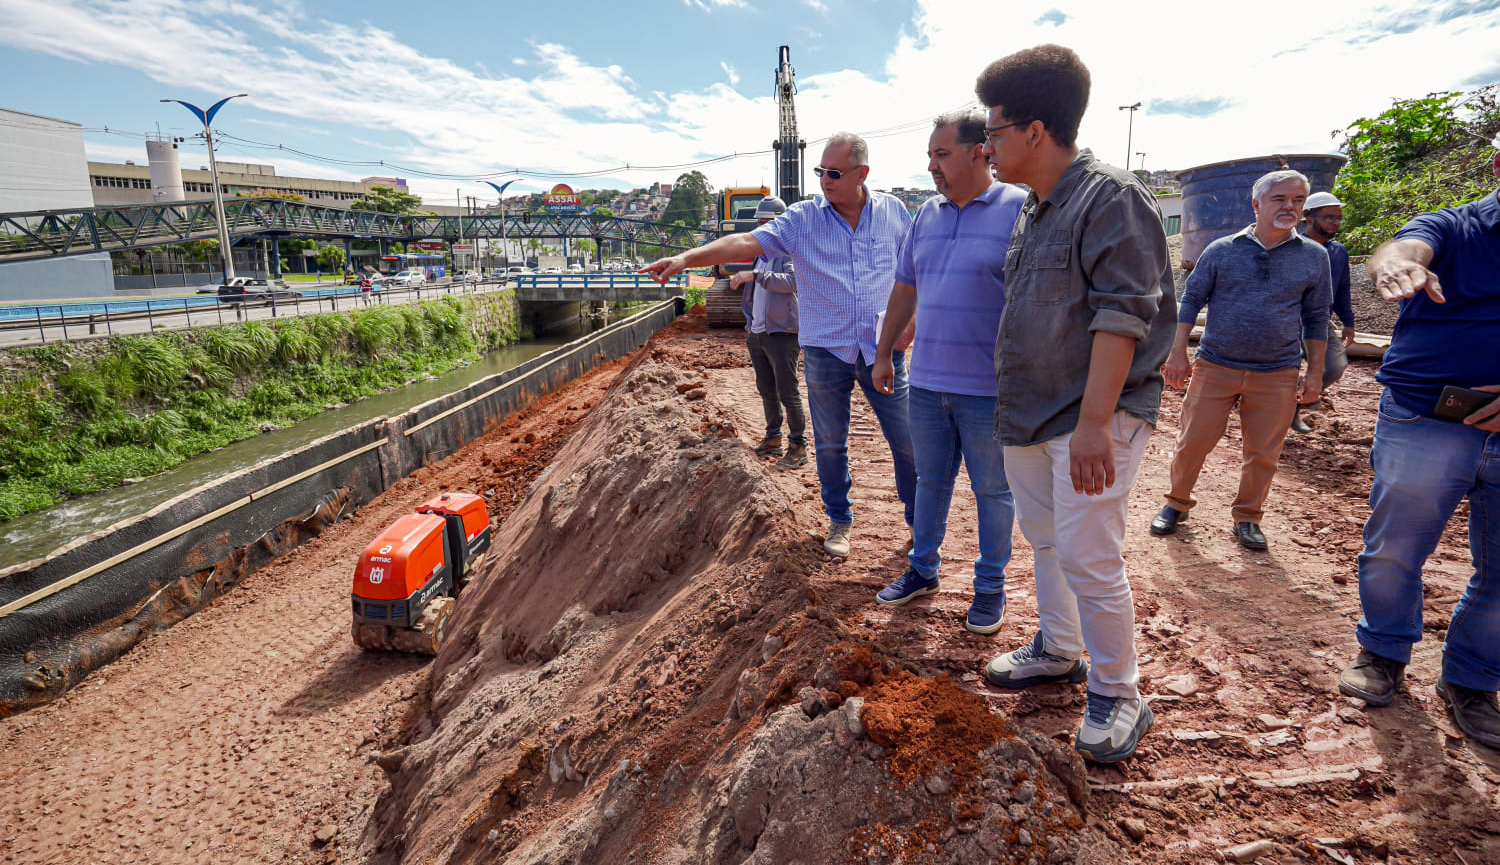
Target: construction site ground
pixel 256 731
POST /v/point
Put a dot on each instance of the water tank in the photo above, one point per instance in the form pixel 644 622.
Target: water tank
pixel 1216 197
pixel 166 171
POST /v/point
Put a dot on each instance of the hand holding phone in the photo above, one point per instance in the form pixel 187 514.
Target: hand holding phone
pixel 1457 403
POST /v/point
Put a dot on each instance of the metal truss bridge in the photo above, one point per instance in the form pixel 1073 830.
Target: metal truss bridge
pixel 44 234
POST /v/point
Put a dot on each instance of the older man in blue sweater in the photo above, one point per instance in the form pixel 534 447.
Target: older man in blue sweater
pixel 1268 290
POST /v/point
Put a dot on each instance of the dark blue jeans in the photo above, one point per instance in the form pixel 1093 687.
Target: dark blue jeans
pixel 946 429
pixel 1423 468
pixel 830 383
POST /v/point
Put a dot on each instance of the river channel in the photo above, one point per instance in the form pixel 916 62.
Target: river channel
pixel 36 534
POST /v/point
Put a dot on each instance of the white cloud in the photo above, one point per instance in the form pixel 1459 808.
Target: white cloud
pixel 1208 95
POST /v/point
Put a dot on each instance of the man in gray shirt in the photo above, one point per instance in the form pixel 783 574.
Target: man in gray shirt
pixel 1088 318
pixel 1268 291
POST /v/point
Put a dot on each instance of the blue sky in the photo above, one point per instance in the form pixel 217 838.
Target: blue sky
pixel 470 89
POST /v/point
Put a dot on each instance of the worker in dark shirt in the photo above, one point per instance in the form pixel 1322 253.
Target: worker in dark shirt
pixel 1444 268
pixel 1324 216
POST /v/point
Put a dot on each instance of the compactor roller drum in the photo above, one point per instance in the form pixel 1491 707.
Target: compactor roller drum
pixel 425 638
pixel 723 305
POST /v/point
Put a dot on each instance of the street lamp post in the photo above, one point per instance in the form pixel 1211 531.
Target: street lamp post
pixel 207 118
pixel 1129 131
pixel 500 194
pixel 1142 155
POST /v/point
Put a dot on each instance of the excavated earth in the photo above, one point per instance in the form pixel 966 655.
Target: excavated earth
pixel 656 664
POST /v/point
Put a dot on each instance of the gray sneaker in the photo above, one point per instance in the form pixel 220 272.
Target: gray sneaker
pixel 1032 665
pixel 1112 727
pixel 837 542
pixel 1372 678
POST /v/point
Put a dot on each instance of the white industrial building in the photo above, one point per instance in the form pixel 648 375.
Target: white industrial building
pixel 44 168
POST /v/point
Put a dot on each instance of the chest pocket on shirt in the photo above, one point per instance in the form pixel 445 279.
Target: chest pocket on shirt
pixel 1046 260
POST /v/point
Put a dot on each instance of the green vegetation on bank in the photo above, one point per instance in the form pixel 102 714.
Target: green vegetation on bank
pixel 76 418
pixel 1418 155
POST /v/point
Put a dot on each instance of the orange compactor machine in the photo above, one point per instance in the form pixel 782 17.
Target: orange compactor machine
pixel 408 579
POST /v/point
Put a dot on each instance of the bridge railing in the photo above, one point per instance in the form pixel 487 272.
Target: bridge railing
pixel 41 323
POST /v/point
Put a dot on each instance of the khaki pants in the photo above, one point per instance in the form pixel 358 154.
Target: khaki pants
pixel 1266 402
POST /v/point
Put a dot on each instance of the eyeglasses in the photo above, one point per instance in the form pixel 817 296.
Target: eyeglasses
pixel 835 173
pixel 989 131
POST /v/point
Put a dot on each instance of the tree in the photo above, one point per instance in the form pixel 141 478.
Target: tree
pixel 586 246
pixel 601 210
pixel 330 257
pixel 691 198
pixel 383 199
pixel 1416 156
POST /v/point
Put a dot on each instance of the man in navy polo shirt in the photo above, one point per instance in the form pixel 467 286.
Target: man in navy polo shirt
pixel 951 277
pixel 1444 267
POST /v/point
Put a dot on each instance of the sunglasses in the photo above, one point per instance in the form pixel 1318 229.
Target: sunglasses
pixel 1263 265
pixel 835 173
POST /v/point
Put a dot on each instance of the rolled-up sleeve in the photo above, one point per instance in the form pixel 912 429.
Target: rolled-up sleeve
pixel 1124 252
pixel 778 237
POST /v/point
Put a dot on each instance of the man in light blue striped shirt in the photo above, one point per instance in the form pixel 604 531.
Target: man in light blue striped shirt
pixel 844 244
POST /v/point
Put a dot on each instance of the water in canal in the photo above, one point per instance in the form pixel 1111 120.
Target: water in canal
pixel 35 534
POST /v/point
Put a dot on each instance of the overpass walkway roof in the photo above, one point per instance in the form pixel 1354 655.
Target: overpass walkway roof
pixel 43 234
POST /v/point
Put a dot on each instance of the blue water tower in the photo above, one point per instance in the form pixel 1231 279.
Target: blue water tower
pixel 1216 197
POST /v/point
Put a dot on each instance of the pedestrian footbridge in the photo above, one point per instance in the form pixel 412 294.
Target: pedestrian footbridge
pixel 43 234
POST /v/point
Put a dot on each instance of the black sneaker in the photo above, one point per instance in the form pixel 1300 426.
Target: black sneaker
pixel 1372 678
pixel 1475 711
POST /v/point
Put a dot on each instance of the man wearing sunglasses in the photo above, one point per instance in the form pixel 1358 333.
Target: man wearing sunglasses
pixel 1269 291
pixel 843 245
pixel 950 279
pixel 1088 316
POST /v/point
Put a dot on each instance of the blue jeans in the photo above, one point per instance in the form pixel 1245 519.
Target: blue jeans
pixel 830 382
pixel 947 428
pixel 1423 468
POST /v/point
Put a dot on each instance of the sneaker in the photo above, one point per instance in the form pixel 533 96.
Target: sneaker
pixel 907 586
pixel 1112 727
pixel 837 542
pixel 1475 711
pixel 1372 678
pixel 796 455
pixel 985 613
pixel 770 446
pixel 1032 665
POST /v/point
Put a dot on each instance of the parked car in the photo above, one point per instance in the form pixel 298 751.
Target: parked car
pixel 466 276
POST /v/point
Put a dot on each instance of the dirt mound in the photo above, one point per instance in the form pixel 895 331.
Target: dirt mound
pixel 642 672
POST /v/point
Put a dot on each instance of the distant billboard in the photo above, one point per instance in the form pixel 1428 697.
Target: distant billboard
pixel 562 199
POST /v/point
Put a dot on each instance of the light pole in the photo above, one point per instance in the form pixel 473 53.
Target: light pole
pixel 1142 155
pixel 500 194
pixel 207 117
pixel 1129 130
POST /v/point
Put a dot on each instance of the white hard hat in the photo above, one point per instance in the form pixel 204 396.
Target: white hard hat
pixel 1321 199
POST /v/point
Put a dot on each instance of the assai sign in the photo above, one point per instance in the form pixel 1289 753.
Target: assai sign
pixel 562 199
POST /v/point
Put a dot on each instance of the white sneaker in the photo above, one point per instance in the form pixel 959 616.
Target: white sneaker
pixel 1112 726
pixel 837 542
pixel 1032 665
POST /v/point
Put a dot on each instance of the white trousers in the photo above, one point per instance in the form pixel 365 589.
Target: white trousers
pixel 1082 594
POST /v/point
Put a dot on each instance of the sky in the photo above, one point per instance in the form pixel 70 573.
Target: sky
pixel 610 94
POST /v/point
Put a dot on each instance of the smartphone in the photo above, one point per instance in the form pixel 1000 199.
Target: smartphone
pixel 1457 403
